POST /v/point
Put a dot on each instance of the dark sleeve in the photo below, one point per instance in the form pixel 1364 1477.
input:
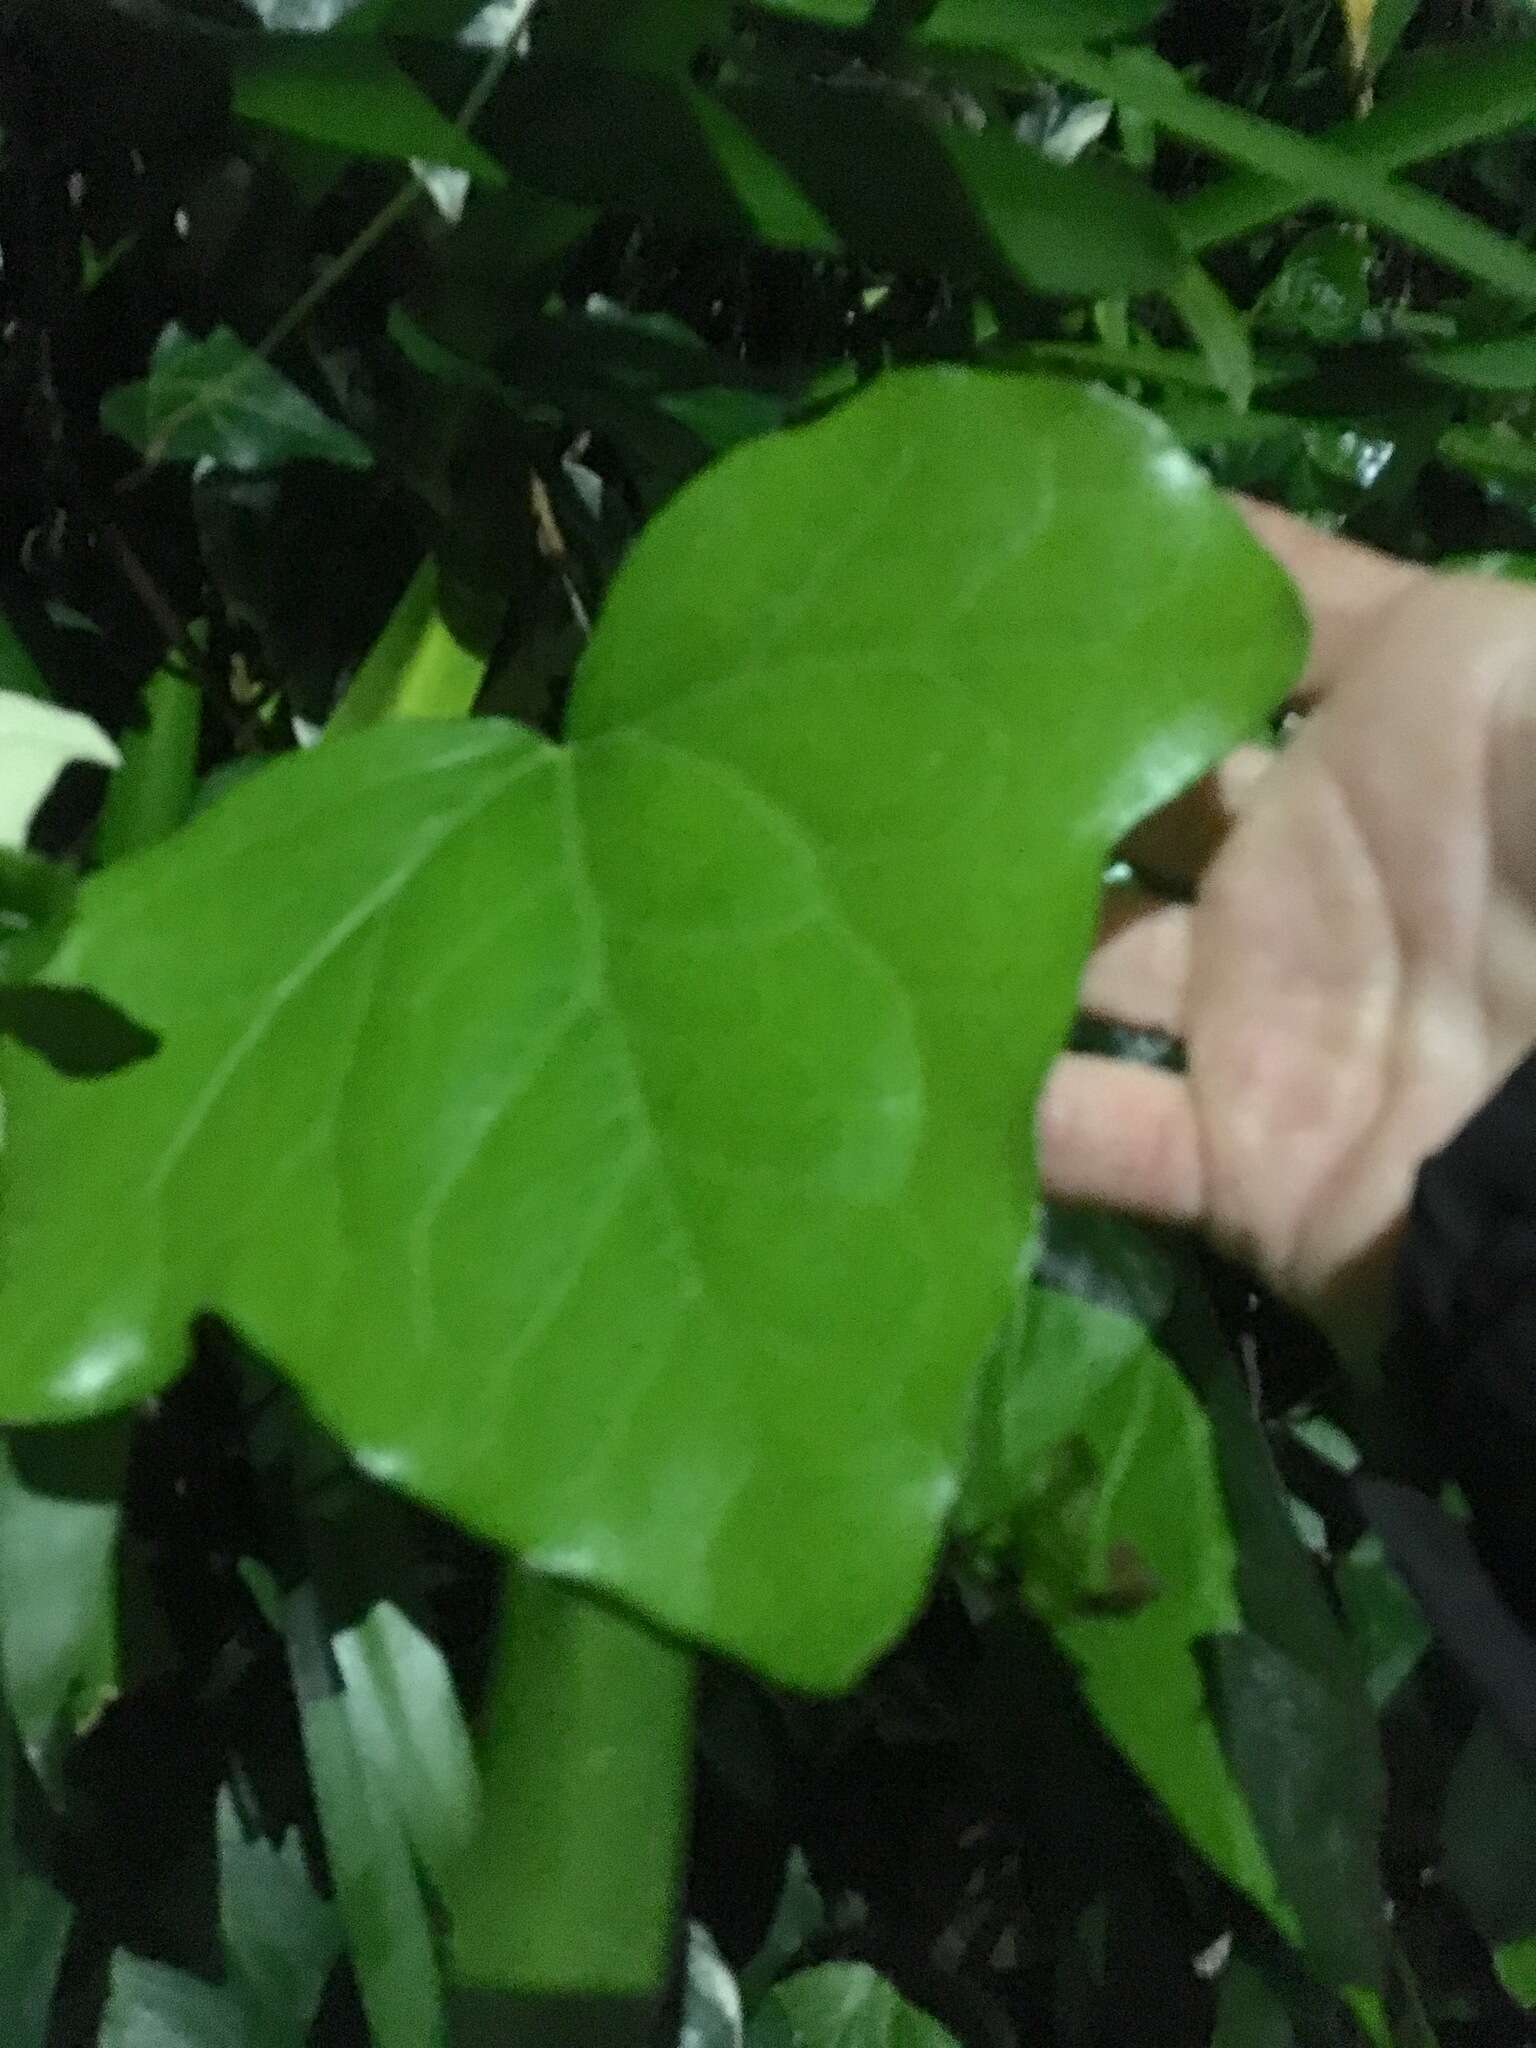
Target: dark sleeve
pixel 1463 1348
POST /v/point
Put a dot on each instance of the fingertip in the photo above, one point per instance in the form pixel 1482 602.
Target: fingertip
pixel 1113 1134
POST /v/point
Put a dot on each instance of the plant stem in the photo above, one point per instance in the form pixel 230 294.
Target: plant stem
pixel 570 1890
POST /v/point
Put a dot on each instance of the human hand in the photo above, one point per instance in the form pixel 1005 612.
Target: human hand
pixel 1357 972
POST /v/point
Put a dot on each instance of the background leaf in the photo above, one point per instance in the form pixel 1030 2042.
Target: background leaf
pixel 217 401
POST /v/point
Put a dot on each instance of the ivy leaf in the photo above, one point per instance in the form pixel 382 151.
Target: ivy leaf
pixel 1103 1463
pixel 844 2005
pixel 681 1172
pixel 38 741
pixel 353 96
pixel 218 401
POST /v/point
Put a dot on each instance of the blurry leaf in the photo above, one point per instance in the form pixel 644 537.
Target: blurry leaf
pixel 705 881
pixel 798 1916
pixel 633 35
pixel 1383 1617
pixel 378 1896
pixel 711 2001
pixel 19 673
pixel 1444 100
pixel 1488 1835
pixel 845 2005
pixel 410 1732
pixel 1507 364
pixel 1315 171
pixel 352 96
pixel 60 1508
pixel 1312 1787
pixel 218 401
pixel 281 1941
pixel 1218 330
pixel 34 1919
pixel 805 168
pixel 150 2005
pixel 1323 291
pixel 38 741
pixel 1248 2014
pixel 1518 568
pixel 417 668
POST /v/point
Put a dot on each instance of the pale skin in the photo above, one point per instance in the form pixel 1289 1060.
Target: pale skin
pixel 1357 971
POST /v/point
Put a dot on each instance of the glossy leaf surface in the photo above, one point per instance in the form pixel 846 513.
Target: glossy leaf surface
pixel 649 1211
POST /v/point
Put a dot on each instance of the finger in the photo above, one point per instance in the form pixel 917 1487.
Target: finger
pixel 1177 843
pixel 1345 587
pixel 1138 971
pixel 1120 1136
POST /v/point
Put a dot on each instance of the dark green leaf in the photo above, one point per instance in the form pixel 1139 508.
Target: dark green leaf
pixel 1488 1835
pixel 217 401
pixel 806 168
pixel 1248 2014
pixel 60 1508
pixel 835 1027
pixel 18 671
pixel 1323 291
pixel 34 1919
pixel 1384 1619
pixel 353 96
pixel 845 2005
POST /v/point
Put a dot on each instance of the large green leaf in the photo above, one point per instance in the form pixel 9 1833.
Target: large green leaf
pixel 809 168
pixel 217 400
pixel 844 2005
pixel 624 1146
